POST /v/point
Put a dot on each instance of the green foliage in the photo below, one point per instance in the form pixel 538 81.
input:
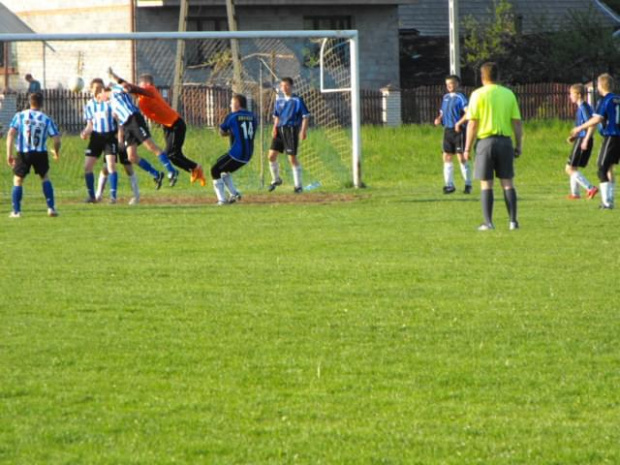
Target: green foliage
pixel 383 330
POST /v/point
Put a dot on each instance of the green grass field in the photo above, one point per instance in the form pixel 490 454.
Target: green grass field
pixel 377 328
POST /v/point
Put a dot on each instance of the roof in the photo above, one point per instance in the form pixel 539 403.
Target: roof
pixel 430 17
pixel 10 22
pixel 163 3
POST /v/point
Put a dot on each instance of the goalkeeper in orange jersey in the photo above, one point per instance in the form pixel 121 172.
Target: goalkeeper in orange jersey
pixel 154 107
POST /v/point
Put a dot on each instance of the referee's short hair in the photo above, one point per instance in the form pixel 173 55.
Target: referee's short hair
pixel 36 100
pixel 453 77
pixel 288 79
pixel 489 71
pixel 241 100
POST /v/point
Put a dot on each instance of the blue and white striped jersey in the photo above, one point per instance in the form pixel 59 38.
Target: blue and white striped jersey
pixel 33 128
pixel 122 104
pixel 100 113
pixel 290 111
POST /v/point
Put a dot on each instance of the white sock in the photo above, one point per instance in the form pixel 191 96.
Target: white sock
pixel 574 186
pixel 583 182
pixel 297 175
pixel 605 193
pixel 218 187
pixel 101 185
pixel 134 185
pixel 466 173
pixel 274 167
pixel 611 192
pixel 228 182
pixel 448 174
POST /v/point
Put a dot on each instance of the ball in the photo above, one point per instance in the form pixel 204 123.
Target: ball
pixel 76 84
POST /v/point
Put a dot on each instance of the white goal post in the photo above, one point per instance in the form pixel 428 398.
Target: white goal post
pixel 352 89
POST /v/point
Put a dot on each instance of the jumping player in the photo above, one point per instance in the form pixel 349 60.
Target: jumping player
pixel 452 117
pixel 290 124
pixel 582 146
pixel 154 107
pixel 136 132
pixel 240 125
pixel 32 128
pixel 607 114
pixel 101 128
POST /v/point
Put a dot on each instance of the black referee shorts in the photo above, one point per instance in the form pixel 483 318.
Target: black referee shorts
pixel 494 155
pixel 37 160
pixel 286 140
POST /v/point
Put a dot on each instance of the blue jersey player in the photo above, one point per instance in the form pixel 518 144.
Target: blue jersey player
pixel 290 123
pixel 452 117
pixel 240 125
pixel 28 133
pixel 582 146
pixel 607 114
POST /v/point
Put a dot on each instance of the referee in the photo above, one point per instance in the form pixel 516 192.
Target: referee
pixel 494 118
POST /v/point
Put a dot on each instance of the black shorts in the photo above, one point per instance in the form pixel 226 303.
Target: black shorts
pixel 494 154
pixel 122 157
pixel 286 140
pixel 225 164
pixel 453 142
pixel 175 137
pixel 136 130
pixel 38 160
pixel 609 154
pixel 102 142
pixel 579 158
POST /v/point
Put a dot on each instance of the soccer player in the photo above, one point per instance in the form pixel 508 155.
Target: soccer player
pixel 136 132
pixel 494 117
pixel 582 146
pixel 607 114
pixel 154 107
pixel 28 133
pixel 240 125
pixel 452 117
pixel 290 124
pixel 101 128
pixel 133 179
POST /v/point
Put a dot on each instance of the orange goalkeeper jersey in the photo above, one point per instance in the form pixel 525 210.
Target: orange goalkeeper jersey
pixel 155 108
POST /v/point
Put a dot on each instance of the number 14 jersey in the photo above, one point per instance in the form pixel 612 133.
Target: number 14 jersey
pixel 242 127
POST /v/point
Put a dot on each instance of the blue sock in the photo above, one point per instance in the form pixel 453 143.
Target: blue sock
pixel 18 192
pixel 48 192
pixel 164 160
pixel 146 166
pixel 113 184
pixel 90 184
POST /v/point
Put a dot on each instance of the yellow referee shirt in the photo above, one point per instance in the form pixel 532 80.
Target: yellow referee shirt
pixel 494 107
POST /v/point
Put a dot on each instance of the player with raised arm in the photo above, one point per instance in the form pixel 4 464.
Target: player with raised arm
pixel 290 123
pixel 101 129
pixel 136 132
pixel 607 114
pixel 582 145
pixel 452 117
pixel 154 107
pixel 240 125
pixel 28 133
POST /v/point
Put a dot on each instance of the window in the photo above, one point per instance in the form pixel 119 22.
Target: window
pixel 205 52
pixel 340 47
pixel 318 23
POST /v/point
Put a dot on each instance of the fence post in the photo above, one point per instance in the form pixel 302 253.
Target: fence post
pixel 391 106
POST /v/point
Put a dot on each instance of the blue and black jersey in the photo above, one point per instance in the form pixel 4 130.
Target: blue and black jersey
pixel 33 128
pixel 452 109
pixel 584 113
pixel 609 109
pixel 290 111
pixel 242 127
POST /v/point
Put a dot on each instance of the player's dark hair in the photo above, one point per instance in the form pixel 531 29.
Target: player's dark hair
pixel 489 71
pixel 28 76
pixel 36 100
pixel 147 78
pixel 97 81
pixel 241 100
pixel 453 77
pixel 287 79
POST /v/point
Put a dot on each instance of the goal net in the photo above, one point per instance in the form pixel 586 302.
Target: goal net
pixel 197 73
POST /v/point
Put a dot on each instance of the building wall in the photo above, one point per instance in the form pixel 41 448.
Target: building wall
pixel 61 61
pixel 378 28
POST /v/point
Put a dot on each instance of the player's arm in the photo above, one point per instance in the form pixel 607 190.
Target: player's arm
pixel 276 121
pixel 134 89
pixel 517 127
pixel 10 147
pixel 438 119
pixel 591 123
pixel 121 135
pixel 303 134
pixel 472 131
pixel 463 120
pixel 87 131
pixel 586 140
pixel 56 149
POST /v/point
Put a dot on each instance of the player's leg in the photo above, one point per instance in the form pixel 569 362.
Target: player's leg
pixel 123 159
pixel 296 167
pixel 113 175
pixel 504 168
pixel 175 138
pixel 89 177
pixel 101 183
pixel 41 167
pixel 132 155
pixel 290 137
pixel 604 164
pixel 277 147
pixel 483 170
pixel 465 171
pixel 16 196
pixel 217 170
pixel 448 173
pixel 162 156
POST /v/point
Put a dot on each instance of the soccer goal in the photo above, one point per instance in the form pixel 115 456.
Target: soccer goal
pixel 197 72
